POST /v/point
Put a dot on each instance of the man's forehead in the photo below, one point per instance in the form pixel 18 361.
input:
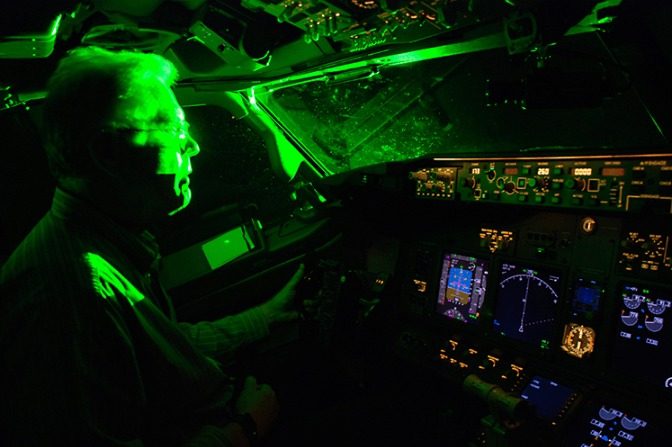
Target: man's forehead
pixel 149 103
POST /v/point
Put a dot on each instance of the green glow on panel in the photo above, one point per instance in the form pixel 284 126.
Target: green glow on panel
pixel 227 247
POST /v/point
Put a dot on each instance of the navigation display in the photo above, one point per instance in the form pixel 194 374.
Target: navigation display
pixel 527 302
pixel 643 345
pixel 462 287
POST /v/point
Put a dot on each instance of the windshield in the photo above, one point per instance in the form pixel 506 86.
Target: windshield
pixel 484 102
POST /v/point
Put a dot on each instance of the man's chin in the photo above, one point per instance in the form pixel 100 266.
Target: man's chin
pixel 186 200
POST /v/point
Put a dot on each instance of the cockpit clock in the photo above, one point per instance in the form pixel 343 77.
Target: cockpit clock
pixel 578 340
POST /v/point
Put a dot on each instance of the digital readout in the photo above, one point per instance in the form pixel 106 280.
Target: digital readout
pixel 613 172
pixel 583 171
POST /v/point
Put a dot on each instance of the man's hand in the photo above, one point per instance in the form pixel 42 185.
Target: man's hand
pixel 279 308
pixel 260 402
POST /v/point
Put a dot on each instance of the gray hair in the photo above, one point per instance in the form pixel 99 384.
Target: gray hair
pixel 82 96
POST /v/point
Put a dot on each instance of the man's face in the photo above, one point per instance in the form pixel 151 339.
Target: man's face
pixel 160 156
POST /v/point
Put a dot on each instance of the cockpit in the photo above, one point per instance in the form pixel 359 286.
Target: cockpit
pixel 480 192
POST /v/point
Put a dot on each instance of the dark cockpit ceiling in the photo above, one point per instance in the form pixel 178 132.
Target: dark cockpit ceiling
pixel 482 191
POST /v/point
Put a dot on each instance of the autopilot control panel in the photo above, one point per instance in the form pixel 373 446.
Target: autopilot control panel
pixel 619 184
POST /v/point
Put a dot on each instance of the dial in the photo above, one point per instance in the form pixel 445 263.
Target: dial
pixel 629 318
pixel 658 307
pixel 609 414
pixel 579 340
pixel 632 301
pixel 654 324
pixel 632 423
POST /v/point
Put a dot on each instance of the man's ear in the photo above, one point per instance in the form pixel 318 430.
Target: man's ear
pixel 106 155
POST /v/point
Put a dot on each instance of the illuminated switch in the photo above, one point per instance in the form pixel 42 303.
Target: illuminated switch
pixel 522 198
pixel 555 200
pixel 557 171
pixel 539 199
pixel 593 185
pixel 556 185
pixel 525 171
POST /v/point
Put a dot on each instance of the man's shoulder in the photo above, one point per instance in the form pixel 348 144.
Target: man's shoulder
pixel 107 281
pixel 55 259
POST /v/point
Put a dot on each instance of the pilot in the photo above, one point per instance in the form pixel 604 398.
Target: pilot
pixel 91 351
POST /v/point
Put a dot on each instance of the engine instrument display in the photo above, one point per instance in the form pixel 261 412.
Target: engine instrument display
pixel 527 301
pixel 462 287
pixel 548 398
pixel 643 345
pixel 606 426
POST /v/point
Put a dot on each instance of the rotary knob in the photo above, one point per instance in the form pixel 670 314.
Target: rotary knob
pixel 469 183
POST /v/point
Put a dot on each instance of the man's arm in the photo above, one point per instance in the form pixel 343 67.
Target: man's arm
pixel 87 367
pixel 222 337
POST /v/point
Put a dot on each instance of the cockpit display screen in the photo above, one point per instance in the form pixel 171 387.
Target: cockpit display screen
pixel 600 425
pixel 643 344
pixel 547 397
pixel 462 287
pixel 527 303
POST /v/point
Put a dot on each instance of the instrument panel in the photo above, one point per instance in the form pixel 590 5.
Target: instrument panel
pixel 550 279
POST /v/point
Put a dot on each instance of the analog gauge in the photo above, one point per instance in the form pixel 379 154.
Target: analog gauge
pixel 579 340
pixel 632 423
pixel 632 301
pixel 629 318
pixel 658 307
pixel 609 414
pixel 654 325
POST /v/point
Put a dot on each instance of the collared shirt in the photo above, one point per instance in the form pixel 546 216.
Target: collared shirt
pixel 91 352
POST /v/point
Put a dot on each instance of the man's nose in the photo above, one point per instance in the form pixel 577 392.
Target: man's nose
pixel 191 148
